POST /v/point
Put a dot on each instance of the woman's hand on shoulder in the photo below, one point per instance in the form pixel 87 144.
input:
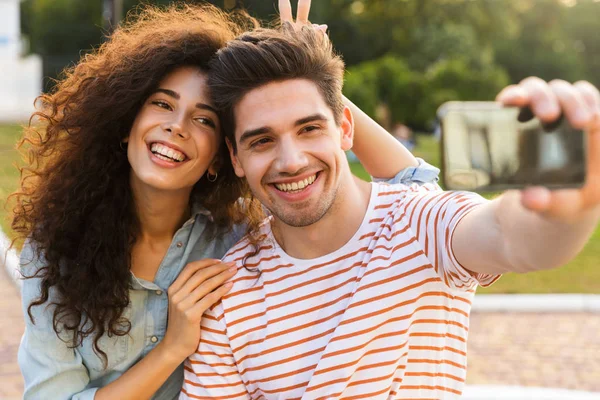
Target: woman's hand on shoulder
pixel 200 285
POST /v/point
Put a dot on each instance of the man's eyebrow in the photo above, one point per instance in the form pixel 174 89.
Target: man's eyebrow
pixel 176 96
pixel 311 118
pixel 253 132
pixel 265 129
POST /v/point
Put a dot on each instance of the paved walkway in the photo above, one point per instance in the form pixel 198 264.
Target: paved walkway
pixel 11 329
pixel 549 350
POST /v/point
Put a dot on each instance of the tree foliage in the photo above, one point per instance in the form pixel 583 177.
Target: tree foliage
pixel 406 55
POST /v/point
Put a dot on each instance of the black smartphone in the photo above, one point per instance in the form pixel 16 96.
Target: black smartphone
pixel 487 147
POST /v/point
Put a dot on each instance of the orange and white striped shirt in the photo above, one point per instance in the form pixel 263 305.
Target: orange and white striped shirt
pixel 384 317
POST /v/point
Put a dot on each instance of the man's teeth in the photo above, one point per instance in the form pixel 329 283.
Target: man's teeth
pixel 294 186
pixel 166 153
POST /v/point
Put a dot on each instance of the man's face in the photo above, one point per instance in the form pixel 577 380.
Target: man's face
pixel 291 151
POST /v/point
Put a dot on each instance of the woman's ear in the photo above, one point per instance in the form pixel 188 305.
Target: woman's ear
pixel 347 129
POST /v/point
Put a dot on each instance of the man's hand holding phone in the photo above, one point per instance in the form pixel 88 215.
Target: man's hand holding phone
pixel 580 104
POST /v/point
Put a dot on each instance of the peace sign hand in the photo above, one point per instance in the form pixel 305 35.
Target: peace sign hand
pixel 285 11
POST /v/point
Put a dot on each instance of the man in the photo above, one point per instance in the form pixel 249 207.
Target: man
pixel 354 289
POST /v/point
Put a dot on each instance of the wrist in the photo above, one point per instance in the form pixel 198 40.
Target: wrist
pixel 169 356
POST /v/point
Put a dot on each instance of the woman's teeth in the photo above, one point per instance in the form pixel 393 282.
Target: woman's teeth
pixel 166 153
pixel 296 186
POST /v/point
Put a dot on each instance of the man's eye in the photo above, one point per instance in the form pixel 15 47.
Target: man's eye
pixel 311 128
pixel 260 142
pixel 162 104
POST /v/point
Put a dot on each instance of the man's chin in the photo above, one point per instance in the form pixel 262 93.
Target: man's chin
pixel 296 218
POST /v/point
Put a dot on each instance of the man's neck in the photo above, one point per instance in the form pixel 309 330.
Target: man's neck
pixel 160 213
pixel 332 231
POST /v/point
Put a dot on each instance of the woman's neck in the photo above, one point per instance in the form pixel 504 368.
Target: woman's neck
pixel 160 213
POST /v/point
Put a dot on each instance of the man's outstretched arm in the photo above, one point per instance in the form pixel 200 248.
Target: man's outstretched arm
pixel 538 229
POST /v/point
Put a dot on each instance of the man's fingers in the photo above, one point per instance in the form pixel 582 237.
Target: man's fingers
pixel 513 95
pixel 285 11
pixel 572 103
pixel 189 270
pixel 543 101
pixel 556 204
pixel 590 94
pixel 303 11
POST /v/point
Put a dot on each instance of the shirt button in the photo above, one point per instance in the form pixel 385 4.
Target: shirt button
pixel 159 292
pixel 154 339
pixel 179 244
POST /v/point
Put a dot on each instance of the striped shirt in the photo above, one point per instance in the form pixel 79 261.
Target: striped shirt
pixel 384 317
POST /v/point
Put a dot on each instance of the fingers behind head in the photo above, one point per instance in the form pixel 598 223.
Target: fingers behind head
pixel 285 11
pixel 303 11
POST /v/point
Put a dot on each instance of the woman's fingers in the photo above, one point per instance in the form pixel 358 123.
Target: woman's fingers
pixel 198 309
pixel 285 11
pixel 303 11
pixel 201 276
pixel 207 288
pixel 189 270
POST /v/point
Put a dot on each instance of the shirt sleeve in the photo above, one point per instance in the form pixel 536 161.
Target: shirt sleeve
pixel 433 215
pixel 50 368
pixel 211 372
pixel 423 173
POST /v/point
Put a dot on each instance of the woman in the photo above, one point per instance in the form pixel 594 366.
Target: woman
pixel 129 169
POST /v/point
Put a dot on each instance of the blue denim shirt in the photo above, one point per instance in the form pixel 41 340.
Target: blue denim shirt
pixel 54 371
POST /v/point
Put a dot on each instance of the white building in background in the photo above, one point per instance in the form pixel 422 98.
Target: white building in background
pixel 20 77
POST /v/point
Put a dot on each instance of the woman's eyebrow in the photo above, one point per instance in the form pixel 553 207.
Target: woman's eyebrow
pixel 176 96
pixel 168 92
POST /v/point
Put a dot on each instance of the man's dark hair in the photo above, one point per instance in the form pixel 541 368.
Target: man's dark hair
pixel 266 55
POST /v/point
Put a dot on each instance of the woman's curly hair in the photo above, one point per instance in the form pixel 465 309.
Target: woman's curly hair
pixel 75 203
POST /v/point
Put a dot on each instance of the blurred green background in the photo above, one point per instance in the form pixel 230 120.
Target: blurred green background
pixel 404 59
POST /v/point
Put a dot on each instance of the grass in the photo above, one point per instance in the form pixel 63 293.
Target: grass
pixel 582 275
pixel 9 175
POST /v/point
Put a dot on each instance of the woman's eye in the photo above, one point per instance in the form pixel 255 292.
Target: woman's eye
pixel 162 104
pixel 206 121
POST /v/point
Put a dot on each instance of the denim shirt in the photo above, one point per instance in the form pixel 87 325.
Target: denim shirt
pixel 52 370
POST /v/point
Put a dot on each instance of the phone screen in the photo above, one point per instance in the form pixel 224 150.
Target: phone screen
pixel 487 147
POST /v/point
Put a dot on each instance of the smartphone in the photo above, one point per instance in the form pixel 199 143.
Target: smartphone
pixel 487 147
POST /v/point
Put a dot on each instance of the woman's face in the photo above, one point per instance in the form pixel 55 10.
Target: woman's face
pixel 175 136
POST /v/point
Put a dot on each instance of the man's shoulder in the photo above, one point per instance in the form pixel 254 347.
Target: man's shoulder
pixel 396 192
pixel 250 243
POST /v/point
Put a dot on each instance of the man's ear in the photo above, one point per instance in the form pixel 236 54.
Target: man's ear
pixel 347 129
pixel 234 160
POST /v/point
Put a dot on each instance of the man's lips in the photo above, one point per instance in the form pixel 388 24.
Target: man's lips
pixel 295 184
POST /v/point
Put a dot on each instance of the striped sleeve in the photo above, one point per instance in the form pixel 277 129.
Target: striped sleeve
pixel 211 372
pixel 433 216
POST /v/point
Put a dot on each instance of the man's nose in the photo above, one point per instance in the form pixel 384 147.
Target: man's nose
pixel 291 157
